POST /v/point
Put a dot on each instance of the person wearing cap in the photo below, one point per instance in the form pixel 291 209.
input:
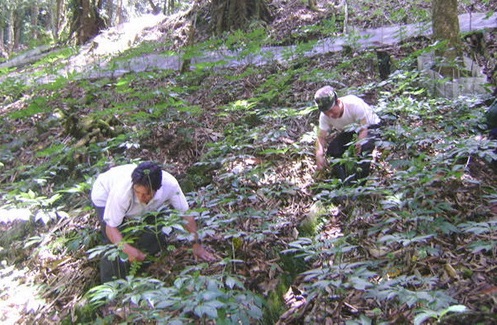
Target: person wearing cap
pixel 349 115
pixel 126 193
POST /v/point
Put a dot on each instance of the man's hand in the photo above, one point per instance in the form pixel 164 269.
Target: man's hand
pixel 363 134
pixel 115 236
pixel 320 162
pixel 191 225
pixel 358 148
pixel 200 252
pixel 134 254
pixel 320 145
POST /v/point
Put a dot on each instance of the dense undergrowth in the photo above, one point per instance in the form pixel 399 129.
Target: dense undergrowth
pixel 415 243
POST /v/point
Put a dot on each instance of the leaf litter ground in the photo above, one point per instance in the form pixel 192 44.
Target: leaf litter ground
pixel 64 277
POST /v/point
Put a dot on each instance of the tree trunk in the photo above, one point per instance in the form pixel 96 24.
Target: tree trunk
pixel 119 13
pixel 155 8
pixel 35 9
pixel 56 19
pixel 446 28
pixel 17 29
pixel 312 4
pixel 237 14
pixel 86 20
pixel 88 25
pixel 171 6
pixel 10 32
pixel 3 52
pixel 185 65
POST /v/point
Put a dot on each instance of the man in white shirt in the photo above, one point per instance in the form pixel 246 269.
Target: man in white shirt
pixel 349 115
pixel 131 191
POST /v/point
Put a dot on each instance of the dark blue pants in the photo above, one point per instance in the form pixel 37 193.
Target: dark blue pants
pixel 150 240
pixel 341 143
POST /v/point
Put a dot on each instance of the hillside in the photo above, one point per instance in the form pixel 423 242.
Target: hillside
pixel 416 242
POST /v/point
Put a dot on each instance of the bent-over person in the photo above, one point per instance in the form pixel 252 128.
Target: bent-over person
pixel 349 115
pixel 128 192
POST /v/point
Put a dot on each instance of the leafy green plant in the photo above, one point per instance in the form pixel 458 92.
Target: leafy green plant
pixel 220 297
pixel 141 49
pixel 250 43
pixel 12 89
pixel 425 315
pixel 482 230
pixel 54 60
pixel 37 106
pixel 409 290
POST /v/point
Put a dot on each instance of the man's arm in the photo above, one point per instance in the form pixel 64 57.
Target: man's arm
pixel 115 209
pixel 115 236
pixel 178 201
pixel 363 134
pixel 320 149
pixel 198 250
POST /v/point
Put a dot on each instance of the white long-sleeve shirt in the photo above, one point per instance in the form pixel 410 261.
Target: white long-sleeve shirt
pixel 114 191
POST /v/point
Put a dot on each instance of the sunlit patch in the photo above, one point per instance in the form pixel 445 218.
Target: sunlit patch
pixel 9 215
pixel 19 297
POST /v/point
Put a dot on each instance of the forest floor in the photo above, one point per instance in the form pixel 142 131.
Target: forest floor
pixel 48 287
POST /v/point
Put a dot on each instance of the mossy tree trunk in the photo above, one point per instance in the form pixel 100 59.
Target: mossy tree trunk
pixel 86 22
pixel 58 18
pixel 155 8
pixel 237 14
pixel 312 4
pixel 169 7
pixel 445 22
pixel 190 42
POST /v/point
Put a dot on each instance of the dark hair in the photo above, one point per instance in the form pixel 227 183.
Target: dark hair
pixel 147 174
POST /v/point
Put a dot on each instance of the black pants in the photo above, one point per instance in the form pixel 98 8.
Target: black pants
pixel 150 240
pixel 360 169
